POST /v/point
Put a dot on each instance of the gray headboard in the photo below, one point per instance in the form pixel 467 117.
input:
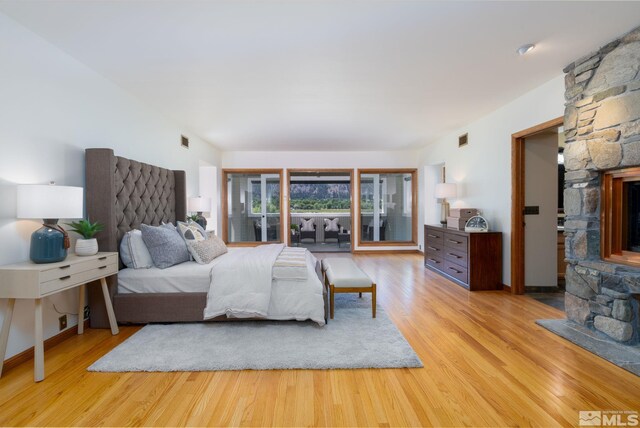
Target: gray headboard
pixel 123 193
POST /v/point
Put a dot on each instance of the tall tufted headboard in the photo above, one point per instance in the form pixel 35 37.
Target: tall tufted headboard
pixel 123 193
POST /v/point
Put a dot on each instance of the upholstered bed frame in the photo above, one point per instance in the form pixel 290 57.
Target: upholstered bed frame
pixel 122 194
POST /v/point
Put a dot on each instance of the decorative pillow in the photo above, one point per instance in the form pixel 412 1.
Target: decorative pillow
pixel 204 251
pixel 134 252
pixel 331 225
pixel 200 228
pixel 307 225
pixel 165 244
pixel 191 232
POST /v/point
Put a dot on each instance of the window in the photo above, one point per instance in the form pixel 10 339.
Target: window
pixel 620 226
pixel 387 207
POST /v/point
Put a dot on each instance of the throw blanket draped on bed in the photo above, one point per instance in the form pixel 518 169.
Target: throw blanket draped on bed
pixel 241 286
pixel 291 264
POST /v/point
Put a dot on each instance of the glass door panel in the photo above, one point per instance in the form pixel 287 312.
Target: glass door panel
pixel 386 207
pixel 253 207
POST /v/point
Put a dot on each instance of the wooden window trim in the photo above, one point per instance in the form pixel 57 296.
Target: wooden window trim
pixel 225 207
pixel 414 207
pixel 612 218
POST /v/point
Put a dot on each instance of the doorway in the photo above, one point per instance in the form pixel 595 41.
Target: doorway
pixel 321 209
pixel 537 243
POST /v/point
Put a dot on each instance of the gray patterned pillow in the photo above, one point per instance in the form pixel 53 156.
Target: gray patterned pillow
pixel 166 246
pixel 204 251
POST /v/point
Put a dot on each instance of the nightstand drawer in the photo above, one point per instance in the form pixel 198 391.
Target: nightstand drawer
pixel 77 267
pixel 72 280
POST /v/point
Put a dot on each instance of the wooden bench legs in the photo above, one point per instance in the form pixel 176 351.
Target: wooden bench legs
pixel 333 289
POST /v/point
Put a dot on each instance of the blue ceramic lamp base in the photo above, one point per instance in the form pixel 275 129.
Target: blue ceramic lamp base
pixel 47 244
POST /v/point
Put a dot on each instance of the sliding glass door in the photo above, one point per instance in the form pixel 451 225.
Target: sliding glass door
pixel 252 205
pixel 388 207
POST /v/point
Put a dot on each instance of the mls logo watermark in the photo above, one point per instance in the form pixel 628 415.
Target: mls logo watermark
pixel 608 418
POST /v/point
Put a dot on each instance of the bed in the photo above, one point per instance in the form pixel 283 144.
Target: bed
pixel 123 194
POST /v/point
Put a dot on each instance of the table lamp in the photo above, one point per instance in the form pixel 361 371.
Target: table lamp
pixel 444 191
pixel 49 244
pixel 200 205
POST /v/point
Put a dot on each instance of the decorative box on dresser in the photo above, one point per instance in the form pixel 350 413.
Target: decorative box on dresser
pixel 470 259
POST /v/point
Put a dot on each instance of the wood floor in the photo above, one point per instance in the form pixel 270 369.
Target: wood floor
pixel 486 364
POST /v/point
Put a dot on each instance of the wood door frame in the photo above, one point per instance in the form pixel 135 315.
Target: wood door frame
pixel 414 207
pixel 225 208
pixel 518 200
pixel 321 170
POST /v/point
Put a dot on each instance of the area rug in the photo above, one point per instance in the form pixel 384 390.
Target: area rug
pixel 351 340
pixel 627 357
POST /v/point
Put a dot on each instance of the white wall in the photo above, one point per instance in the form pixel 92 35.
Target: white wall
pixel 541 231
pixel 483 167
pixel 51 108
pixel 345 160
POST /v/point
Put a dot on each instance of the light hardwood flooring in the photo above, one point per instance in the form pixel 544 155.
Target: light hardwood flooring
pixel 486 364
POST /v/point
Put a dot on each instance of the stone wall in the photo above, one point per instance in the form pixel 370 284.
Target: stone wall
pixel 602 129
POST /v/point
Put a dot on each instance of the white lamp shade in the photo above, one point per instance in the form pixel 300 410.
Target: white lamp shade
pixel 50 202
pixel 199 204
pixel 446 190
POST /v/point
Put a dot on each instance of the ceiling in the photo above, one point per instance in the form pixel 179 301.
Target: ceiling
pixel 324 75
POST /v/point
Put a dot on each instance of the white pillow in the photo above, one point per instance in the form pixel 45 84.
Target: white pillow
pixel 307 225
pixel 134 252
pixel 331 225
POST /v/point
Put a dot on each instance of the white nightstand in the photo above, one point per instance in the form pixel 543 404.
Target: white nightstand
pixel 34 281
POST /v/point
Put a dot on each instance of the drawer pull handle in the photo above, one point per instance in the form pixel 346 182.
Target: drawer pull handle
pixel 432 236
pixel 64 278
pixel 102 267
pixel 433 248
pixel 102 258
pixel 65 267
pixel 455 242
pixel 455 270
pixel 454 255
pixel 434 261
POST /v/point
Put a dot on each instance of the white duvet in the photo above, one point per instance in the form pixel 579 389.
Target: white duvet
pixel 241 286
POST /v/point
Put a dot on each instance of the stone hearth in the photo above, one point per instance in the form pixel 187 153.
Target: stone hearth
pixel 602 129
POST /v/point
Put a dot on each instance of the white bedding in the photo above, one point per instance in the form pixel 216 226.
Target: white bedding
pixel 290 300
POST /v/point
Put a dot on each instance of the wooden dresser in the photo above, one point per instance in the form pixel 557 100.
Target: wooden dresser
pixel 471 259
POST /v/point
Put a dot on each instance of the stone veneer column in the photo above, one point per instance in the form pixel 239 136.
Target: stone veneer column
pixel 602 130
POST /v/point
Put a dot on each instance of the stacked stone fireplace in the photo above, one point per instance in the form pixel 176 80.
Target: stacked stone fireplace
pixel 602 129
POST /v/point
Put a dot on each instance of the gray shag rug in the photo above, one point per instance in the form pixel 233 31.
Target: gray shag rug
pixel 351 340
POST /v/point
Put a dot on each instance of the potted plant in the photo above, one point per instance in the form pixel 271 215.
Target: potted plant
pixel 87 245
pixel 294 229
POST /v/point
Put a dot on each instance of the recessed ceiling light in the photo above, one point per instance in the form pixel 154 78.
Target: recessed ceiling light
pixel 525 48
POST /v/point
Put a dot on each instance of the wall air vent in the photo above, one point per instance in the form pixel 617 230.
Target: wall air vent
pixel 463 140
pixel 184 141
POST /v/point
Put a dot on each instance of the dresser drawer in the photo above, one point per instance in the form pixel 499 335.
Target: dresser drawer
pixel 436 262
pixel 434 249
pixel 77 267
pixel 72 280
pixel 456 271
pixel 433 236
pixel 455 242
pixel 458 257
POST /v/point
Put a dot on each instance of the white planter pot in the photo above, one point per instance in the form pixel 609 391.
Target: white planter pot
pixel 86 247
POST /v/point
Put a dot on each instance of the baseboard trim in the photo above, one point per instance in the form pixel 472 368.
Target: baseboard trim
pixel 28 354
pixel 506 287
pixel 386 252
